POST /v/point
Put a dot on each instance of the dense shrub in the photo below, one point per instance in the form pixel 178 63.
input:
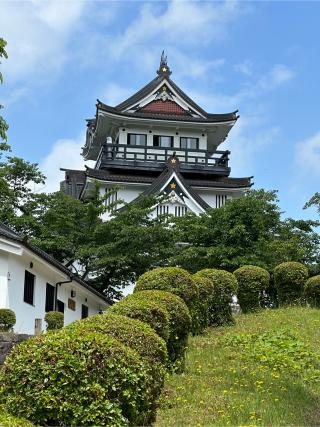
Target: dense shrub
pixel 175 280
pixel 312 291
pixel 289 279
pixel 54 319
pixel 179 323
pixel 170 279
pixel 74 379
pixel 252 281
pixel 146 311
pixel 8 420
pixel 7 319
pixel 200 310
pixel 140 337
pixel 224 287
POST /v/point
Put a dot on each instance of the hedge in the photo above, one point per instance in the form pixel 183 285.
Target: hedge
pixel 179 323
pixel 170 279
pixel 312 291
pixel 289 279
pixel 224 287
pixel 175 280
pixel 7 319
pixel 252 281
pixel 8 420
pixel 138 336
pixel 201 306
pixel 54 319
pixel 146 311
pixel 75 379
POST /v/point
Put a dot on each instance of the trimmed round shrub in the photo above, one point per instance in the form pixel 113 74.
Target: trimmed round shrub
pixel 54 319
pixel 7 319
pixel 200 319
pixel 179 323
pixel 224 287
pixel 252 281
pixel 8 420
pixel 140 337
pixel 171 279
pixel 289 279
pixel 312 291
pixel 74 379
pixel 146 311
pixel 175 280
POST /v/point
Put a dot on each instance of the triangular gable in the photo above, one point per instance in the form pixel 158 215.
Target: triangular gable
pixel 165 92
pixel 165 107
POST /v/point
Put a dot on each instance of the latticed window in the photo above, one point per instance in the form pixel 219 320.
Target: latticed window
pixel 112 197
pixel 221 200
pixel 180 210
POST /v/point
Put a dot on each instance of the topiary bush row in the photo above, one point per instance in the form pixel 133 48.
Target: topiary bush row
pixel 252 281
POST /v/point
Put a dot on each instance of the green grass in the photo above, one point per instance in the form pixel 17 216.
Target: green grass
pixel 265 370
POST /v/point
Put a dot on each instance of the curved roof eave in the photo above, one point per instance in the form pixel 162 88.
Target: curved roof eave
pixel 211 118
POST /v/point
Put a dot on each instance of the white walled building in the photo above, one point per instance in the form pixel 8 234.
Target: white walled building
pixel 33 283
pixel 159 141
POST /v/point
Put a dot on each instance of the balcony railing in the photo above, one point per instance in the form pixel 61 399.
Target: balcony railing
pixel 153 158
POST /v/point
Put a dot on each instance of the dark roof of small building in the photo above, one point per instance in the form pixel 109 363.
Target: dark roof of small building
pixel 7 232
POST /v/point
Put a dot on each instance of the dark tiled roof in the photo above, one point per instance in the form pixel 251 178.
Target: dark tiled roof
pixel 217 182
pixel 12 235
pixel 106 176
pixel 140 94
pixel 158 183
pixel 210 118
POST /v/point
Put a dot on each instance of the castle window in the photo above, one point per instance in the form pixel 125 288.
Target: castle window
pixel 112 197
pixel 137 139
pixel 180 210
pixel 189 143
pixel 220 200
pixel 163 141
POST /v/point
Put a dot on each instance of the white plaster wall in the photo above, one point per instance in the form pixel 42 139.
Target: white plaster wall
pixel 209 195
pixel 3 279
pixel 165 131
pixel 125 192
pixel 26 313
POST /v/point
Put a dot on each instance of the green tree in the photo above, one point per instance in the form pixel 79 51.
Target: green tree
pixel 128 245
pixel 248 230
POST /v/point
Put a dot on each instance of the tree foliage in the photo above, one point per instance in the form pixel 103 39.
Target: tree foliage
pixel 249 230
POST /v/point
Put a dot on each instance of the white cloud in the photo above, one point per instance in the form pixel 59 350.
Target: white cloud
pixel 249 137
pixel 37 33
pixel 307 153
pixel 65 153
pixel 115 93
pixel 245 67
pixel 278 75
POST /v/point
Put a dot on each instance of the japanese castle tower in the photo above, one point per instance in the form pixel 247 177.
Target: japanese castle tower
pixel 158 141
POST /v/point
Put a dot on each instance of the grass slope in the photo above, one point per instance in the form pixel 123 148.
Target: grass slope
pixel 265 370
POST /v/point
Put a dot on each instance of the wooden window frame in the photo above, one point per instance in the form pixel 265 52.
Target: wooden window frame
pixel 186 138
pixel 137 134
pixel 28 294
pixel 158 139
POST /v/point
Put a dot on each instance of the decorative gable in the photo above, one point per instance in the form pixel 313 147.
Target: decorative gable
pixel 164 107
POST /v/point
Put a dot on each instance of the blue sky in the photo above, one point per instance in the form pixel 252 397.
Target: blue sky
pixel 259 57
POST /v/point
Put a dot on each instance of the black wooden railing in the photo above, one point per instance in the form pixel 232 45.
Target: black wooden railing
pixel 122 154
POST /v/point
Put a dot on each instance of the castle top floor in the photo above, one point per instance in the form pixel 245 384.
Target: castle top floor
pixel 151 125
